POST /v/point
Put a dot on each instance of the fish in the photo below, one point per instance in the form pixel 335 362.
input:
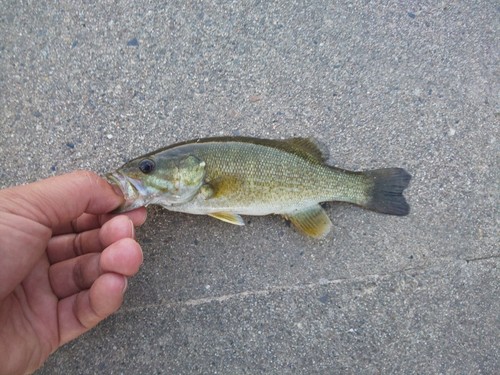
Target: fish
pixel 226 177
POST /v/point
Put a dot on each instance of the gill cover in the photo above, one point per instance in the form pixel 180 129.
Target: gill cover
pixel 185 175
pixel 158 179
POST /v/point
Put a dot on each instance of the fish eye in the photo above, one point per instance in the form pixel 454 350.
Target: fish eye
pixel 147 166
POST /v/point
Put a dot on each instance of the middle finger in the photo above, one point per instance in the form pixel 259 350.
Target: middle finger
pixel 67 246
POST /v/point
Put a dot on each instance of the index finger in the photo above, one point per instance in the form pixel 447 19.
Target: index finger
pixel 57 200
pixel 87 222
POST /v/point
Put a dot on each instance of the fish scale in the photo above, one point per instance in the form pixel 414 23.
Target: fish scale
pixel 270 177
pixel 227 177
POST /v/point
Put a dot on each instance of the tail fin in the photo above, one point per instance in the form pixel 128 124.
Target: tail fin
pixel 387 191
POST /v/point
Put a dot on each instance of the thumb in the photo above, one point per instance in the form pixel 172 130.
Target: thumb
pixel 60 199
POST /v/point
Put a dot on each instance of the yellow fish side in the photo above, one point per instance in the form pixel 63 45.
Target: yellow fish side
pixel 231 176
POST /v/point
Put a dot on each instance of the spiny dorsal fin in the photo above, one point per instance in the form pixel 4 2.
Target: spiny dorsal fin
pixel 311 221
pixel 228 217
pixel 308 148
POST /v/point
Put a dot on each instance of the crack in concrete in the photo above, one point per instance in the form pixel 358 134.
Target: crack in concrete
pixel 484 257
pixel 245 294
pixel 267 291
pixel 287 288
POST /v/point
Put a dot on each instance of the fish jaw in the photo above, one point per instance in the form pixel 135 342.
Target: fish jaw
pixel 132 190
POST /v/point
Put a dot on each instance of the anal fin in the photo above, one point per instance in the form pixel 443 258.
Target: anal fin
pixel 311 221
pixel 228 217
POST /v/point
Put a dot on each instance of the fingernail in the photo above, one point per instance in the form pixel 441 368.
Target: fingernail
pixel 117 190
pixel 125 286
pixel 133 229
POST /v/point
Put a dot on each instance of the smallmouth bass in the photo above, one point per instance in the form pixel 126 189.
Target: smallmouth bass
pixel 226 177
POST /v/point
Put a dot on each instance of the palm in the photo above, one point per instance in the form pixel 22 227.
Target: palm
pixel 75 283
pixel 31 311
pixel 64 264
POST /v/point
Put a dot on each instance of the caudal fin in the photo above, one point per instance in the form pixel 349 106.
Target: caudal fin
pixel 386 194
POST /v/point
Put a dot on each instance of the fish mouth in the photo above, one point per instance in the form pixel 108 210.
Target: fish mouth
pixel 131 189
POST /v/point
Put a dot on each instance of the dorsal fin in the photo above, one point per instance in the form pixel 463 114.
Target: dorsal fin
pixel 307 148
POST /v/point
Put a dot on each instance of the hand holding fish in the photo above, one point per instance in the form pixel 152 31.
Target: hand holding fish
pixel 63 264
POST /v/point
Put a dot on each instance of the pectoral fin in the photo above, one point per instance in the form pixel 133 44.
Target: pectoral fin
pixel 311 221
pixel 228 217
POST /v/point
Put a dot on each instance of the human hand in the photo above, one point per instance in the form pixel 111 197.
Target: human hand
pixel 64 264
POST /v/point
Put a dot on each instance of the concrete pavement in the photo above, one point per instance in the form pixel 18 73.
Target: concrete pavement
pixel 408 85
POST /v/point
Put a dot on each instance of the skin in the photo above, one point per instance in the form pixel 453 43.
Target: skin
pixel 64 264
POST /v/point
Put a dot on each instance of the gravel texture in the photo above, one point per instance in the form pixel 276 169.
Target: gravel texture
pixel 409 84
